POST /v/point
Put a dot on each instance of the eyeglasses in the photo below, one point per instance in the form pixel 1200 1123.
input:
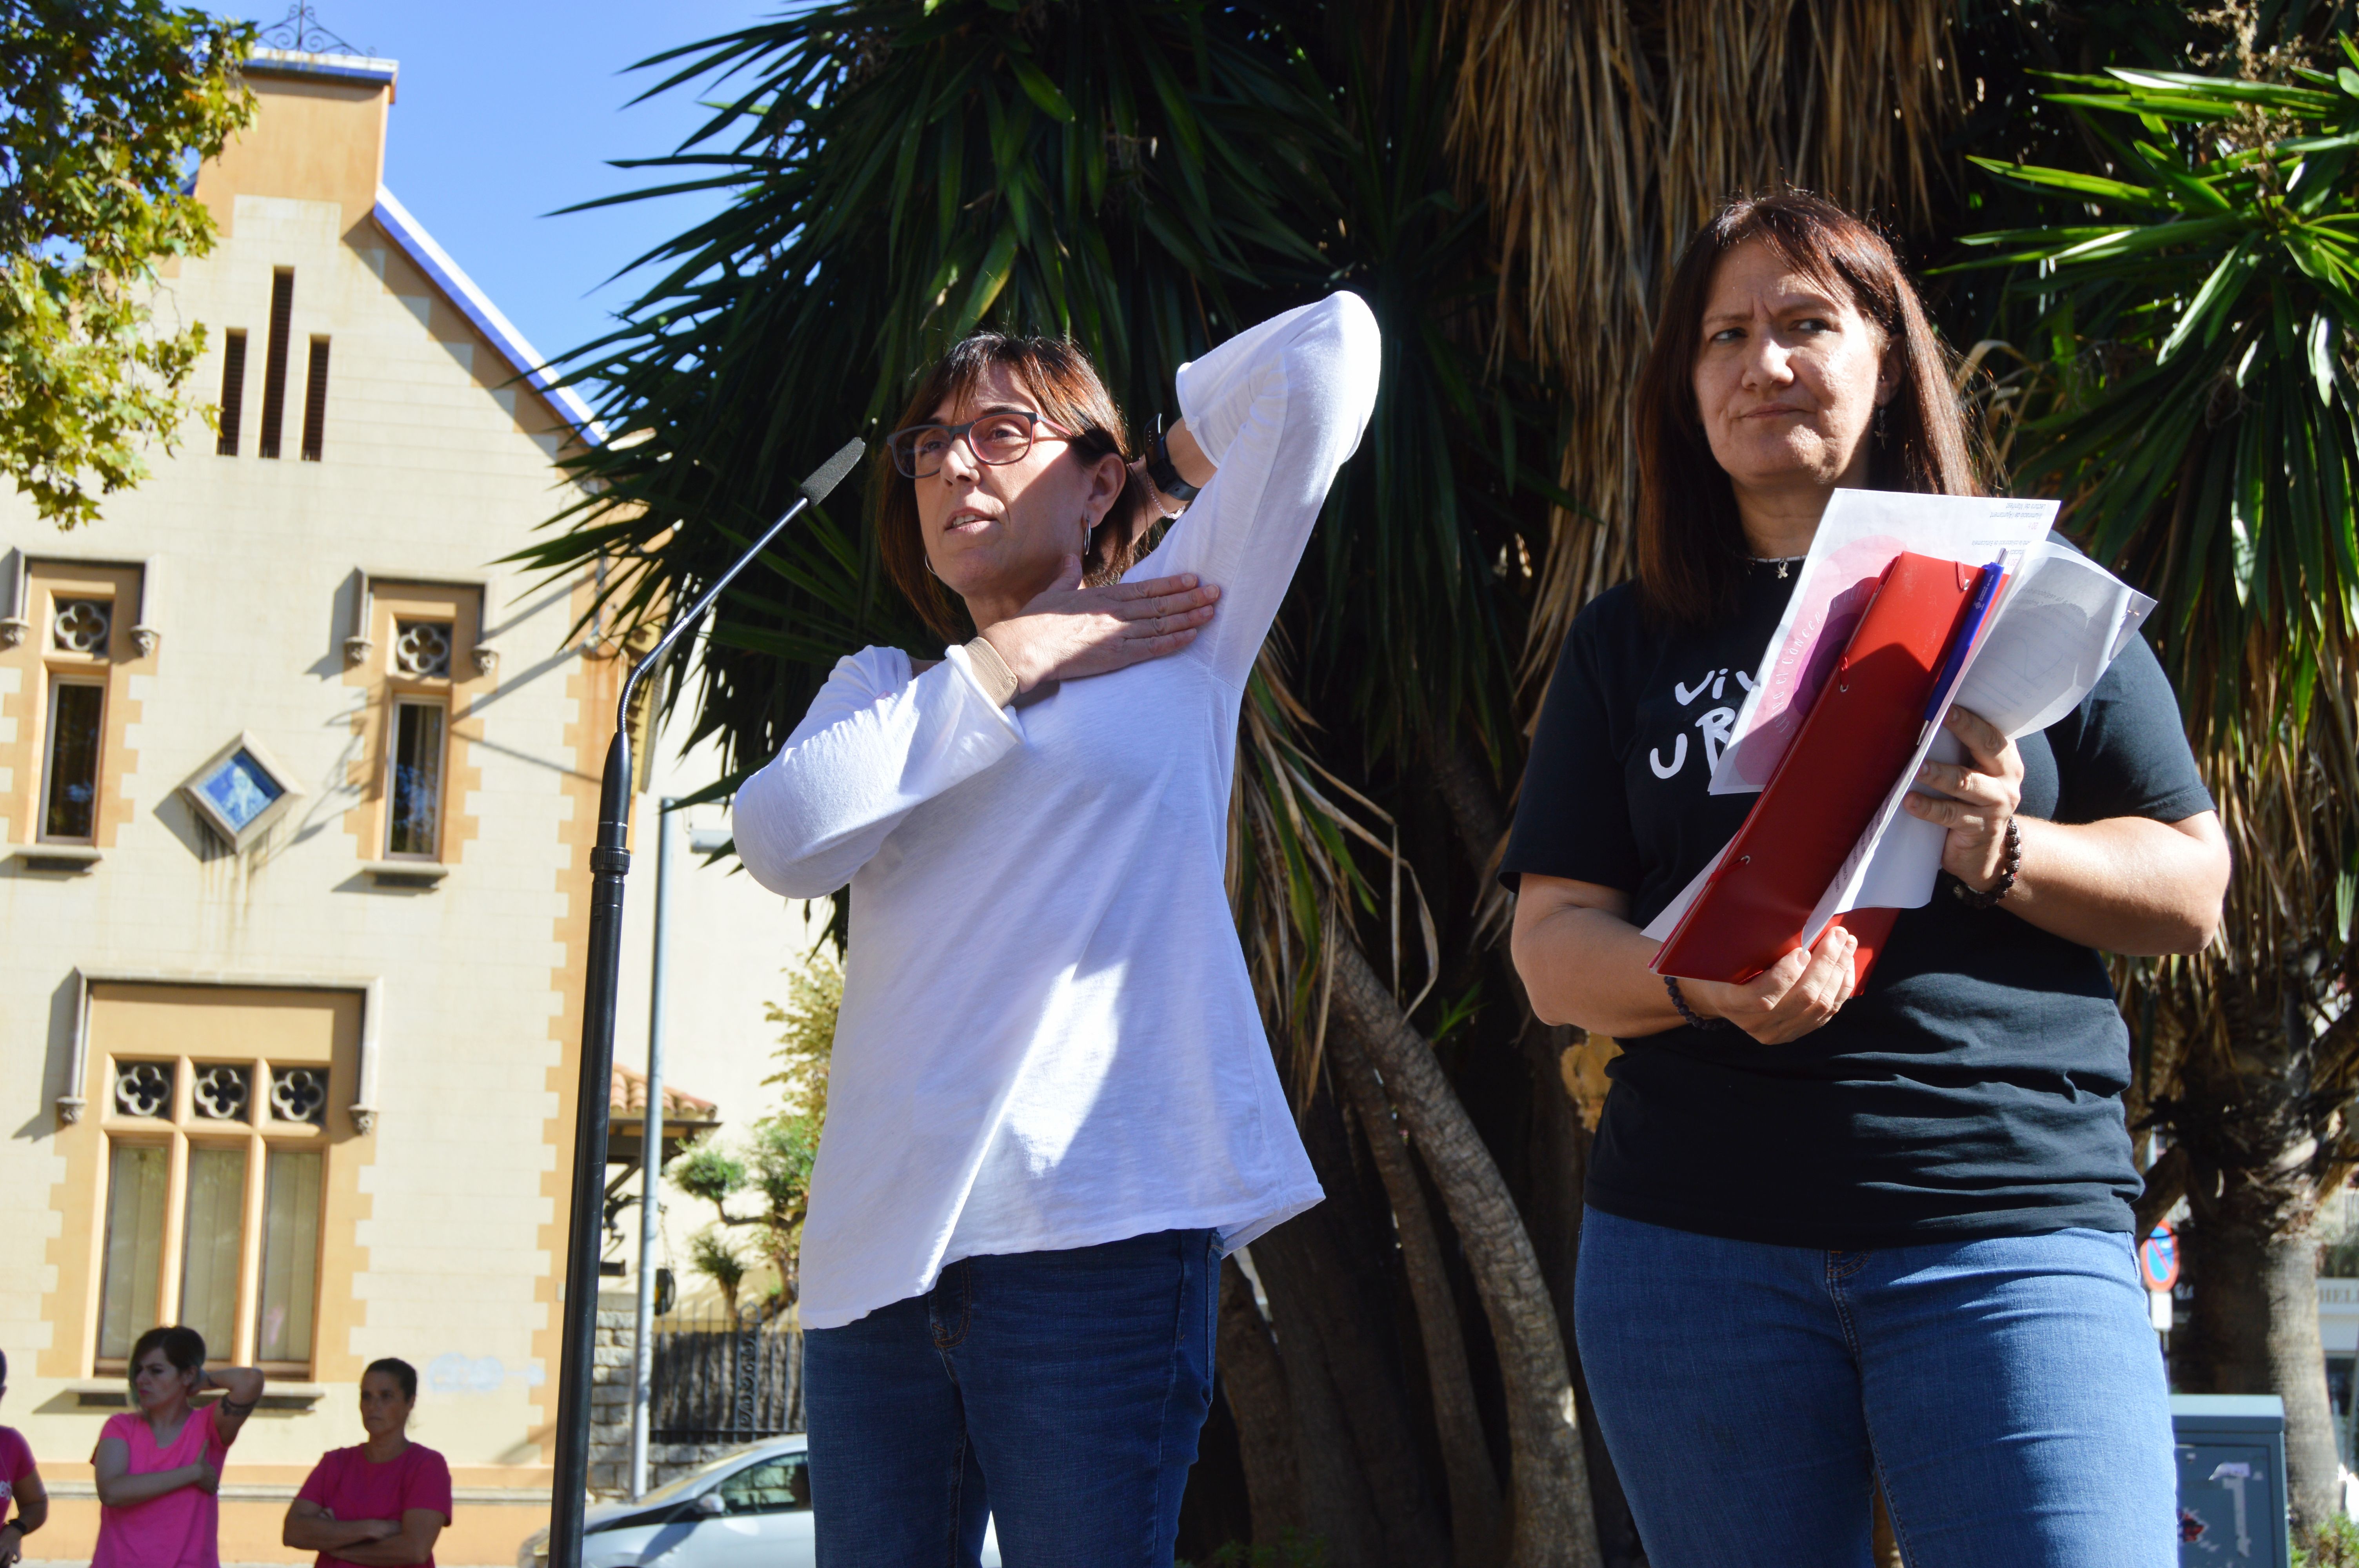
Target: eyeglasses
pixel 998 439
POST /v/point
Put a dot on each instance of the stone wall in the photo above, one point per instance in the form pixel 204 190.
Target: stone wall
pixel 610 1407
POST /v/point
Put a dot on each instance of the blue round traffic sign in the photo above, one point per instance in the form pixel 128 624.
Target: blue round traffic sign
pixel 2159 1258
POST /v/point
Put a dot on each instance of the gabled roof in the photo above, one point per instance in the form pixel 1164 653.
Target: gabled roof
pixel 476 306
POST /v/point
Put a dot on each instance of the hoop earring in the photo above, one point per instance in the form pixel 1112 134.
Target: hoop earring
pixel 930 569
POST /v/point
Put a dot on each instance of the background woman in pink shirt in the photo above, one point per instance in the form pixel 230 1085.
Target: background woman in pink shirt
pixel 159 1467
pixel 383 1504
pixel 20 1484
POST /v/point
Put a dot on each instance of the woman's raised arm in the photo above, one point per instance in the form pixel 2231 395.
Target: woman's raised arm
pixel 1275 410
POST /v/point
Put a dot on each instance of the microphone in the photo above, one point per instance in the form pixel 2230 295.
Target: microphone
pixel 610 862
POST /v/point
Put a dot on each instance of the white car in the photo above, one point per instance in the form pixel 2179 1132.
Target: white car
pixel 750 1509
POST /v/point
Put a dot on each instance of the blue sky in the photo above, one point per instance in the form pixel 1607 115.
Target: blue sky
pixel 507 110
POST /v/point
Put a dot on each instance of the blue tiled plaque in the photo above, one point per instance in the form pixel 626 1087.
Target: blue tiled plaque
pixel 240 788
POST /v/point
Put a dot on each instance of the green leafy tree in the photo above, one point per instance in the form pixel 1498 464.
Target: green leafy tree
pixel 2191 396
pixel 106 106
pixel 774 1165
pixel 711 1254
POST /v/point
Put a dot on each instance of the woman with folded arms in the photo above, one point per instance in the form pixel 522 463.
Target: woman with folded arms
pixel 382 1503
pixel 159 1465
pixel 20 1485
pixel 1051 1107
pixel 1839 1243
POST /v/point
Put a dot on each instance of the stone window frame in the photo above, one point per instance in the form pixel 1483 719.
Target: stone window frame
pixel 381 603
pixel 33 585
pixel 360 1116
pixel 181 1130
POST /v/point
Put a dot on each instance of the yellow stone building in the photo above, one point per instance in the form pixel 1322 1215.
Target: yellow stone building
pixel 298 783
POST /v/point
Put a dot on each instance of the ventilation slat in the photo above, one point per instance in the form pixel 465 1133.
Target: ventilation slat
pixel 274 368
pixel 315 401
pixel 232 392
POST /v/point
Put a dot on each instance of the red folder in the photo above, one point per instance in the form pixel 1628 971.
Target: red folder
pixel 1861 732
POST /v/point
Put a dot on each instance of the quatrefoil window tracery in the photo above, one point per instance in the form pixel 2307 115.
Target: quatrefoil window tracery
pixel 421 649
pixel 142 1089
pixel 300 1094
pixel 80 626
pixel 222 1091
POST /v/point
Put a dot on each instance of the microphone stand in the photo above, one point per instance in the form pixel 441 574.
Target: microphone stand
pixel 610 862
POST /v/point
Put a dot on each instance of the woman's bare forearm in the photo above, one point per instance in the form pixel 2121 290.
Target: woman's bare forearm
pixel 2123 886
pixel 1589 968
pixel 122 1491
pixel 325 1532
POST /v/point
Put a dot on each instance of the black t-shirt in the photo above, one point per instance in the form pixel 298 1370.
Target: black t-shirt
pixel 1974 1088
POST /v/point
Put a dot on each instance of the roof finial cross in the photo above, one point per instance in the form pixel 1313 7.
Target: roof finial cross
pixel 300 31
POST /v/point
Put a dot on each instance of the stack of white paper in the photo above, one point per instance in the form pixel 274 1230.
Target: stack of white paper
pixel 2060 620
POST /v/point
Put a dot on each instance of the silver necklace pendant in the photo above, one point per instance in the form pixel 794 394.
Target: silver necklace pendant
pixel 1781 571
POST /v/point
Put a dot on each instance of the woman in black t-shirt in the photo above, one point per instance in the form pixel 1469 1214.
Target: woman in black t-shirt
pixel 1839 1243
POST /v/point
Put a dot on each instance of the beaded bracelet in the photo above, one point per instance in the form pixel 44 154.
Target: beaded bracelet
pixel 2010 863
pixel 1678 999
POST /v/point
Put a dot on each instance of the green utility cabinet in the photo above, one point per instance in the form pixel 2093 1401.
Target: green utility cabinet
pixel 2232 1480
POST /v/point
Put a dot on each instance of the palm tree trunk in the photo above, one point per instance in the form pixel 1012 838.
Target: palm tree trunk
pixel 1556 1152
pixel 1549 1518
pixel 2253 1329
pixel 1252 1380
pixel 1336 1503
pixel 1338 1263
pixel 2251 1125
pixel 1465 1452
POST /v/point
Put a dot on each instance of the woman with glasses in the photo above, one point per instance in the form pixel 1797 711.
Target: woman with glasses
pixel 1051 1107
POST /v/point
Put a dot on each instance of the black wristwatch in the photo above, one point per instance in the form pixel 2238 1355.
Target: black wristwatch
pixel 1159 469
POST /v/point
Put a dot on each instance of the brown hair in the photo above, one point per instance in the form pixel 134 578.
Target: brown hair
pixel 1060 374
pixel 183 1347
pixel 399 1370
pixel 1691 548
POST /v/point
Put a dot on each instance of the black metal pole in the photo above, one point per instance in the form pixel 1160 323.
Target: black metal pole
pixel 610 862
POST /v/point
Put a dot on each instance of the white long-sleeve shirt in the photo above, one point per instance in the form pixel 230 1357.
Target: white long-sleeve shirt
pixel 1049 1038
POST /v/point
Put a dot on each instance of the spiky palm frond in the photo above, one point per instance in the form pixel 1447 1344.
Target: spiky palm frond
pixel 902 171
pixel 1602 134
pixel 2200 413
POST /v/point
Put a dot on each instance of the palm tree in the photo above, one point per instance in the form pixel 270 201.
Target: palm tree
pixel 908 171
pixel 2194 404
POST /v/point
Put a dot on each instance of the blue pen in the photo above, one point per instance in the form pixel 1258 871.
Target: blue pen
pixel 1985 591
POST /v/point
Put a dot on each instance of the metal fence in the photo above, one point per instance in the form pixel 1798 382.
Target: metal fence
pixel 716 1381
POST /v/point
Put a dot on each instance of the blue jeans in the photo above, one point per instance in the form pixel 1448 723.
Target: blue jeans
pixel 2007 1394
pixel 1058 1393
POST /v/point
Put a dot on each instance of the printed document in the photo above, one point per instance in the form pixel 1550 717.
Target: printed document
pixel 2059 620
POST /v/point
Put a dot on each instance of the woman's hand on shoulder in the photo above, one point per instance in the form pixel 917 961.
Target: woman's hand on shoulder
pixel 1791 997
pixel 1073 630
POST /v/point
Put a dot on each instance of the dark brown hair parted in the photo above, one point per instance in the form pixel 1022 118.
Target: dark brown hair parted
pixel 1691 548
pixel 1068 389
